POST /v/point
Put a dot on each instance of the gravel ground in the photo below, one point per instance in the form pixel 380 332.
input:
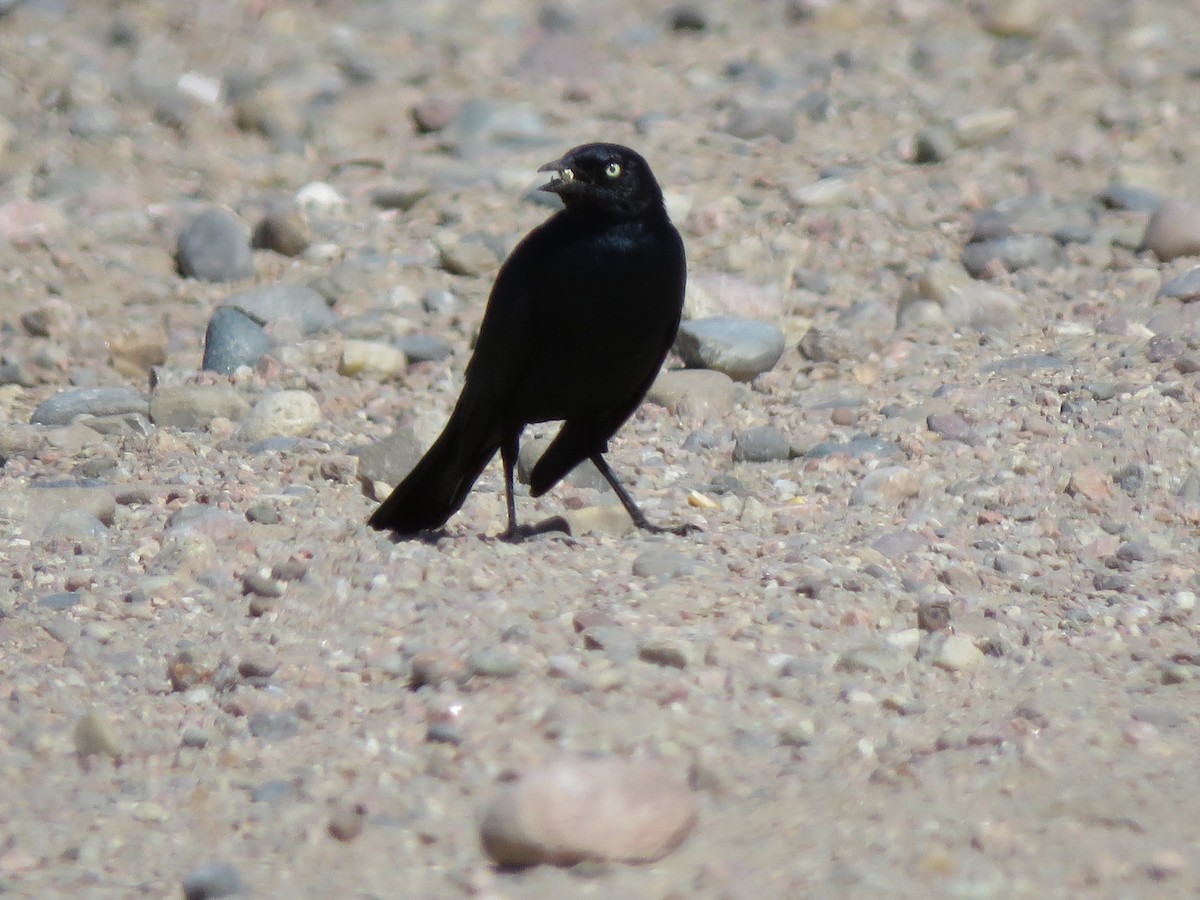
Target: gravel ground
pixel 936 635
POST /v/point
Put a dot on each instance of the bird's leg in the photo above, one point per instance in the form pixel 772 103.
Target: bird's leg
pixel 639 518
pixel 515 533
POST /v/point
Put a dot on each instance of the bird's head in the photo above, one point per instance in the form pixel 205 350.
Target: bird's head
pixel 604 179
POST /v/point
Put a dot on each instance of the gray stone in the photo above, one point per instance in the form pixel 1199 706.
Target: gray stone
pixel 275 303
pixel 1184 288
pixel 391 458
pixel 193 407
pixel 1012 253
pixel 1173 231
pixel 65 407
pixel 214 246
pixel 741 348
pixel 692 393
pixel 76 524
pixel 763 443
pixel 660 562
pixel 213 880
pixel 233 339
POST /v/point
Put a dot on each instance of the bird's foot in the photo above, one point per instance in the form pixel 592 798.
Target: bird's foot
pixel 516 534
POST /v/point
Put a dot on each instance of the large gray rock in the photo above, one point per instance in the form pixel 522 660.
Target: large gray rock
pixel 741 348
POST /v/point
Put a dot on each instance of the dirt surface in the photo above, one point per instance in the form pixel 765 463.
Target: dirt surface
pixel 205 655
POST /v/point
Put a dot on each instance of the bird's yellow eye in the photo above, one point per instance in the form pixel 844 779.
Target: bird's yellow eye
pixel 613 170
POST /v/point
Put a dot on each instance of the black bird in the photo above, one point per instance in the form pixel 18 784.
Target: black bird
pixel 578 323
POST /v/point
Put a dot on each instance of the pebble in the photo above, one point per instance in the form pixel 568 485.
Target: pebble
pixel 820 194
pixel 1173 231
pixel 740 348
pixel 610 519
pixel 1184 288
pixel 693 393
pixel 347 820
pixel 983 126
pixel 859 447
pixel 957 653
pixel 213 880
pixel 751 121
pixel 885 487
pixel 138 349
pixel 1012 253
pixel 295 303
pixel 661 562
pixel 233 339
pixel 419 347
pixel 1013 18
pixel 193 407
pixel 214 246
pixel 281 413
pixel 934 144
pixel 943 295
pixel 472 255
pixel 439 301
pixel 371 357
pixel 485 127
pixel 494 662
pixel 663 652
pixel 65 407
pixel 1130 198
pixel 95 736
pixel 272 727
pixel 389 459
pixel 282 230
pixel 763 443
pixel 75 524
pixel 573 810
pixel 952 427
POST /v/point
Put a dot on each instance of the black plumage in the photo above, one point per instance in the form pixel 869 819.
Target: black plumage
pixel 579 321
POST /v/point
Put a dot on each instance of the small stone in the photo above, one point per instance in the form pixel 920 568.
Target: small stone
pixel 687 18
pixel 193 407
pixel 95 735
pixel 660 562
pixel 751 121
pixel 281 413
pixel 983 126
pixel 933 145
pixel 578 809
pixel 272 727
pixel 952 427
pixel 213 880
pixel 1173 231
pixel 233 339
pixel 957 653
pixel 472 255
pixel 346 823
pixel 933 615
pixel 65 407
pixel 262 584
pixel 494 662
pixel 1010 253
pixel 214 246
pixel 740 348
pixel 75 524
pixel 820 194
pixel 371 357
pixel 1014 18
pixel 282 230
pixel 1090 483
pixel 886 487
pixel 612 519
pixel 763 443
pixel 1184 288
pixel 693 393
pixel 390 459
pixel 663 652
pixel 295 303
pixel 137 349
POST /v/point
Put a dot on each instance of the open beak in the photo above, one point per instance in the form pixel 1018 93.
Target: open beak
pixel 563 177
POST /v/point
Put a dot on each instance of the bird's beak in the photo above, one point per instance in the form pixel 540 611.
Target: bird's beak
pixel 563 177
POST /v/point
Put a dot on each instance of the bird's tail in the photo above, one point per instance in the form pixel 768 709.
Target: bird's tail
pixel 435 489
